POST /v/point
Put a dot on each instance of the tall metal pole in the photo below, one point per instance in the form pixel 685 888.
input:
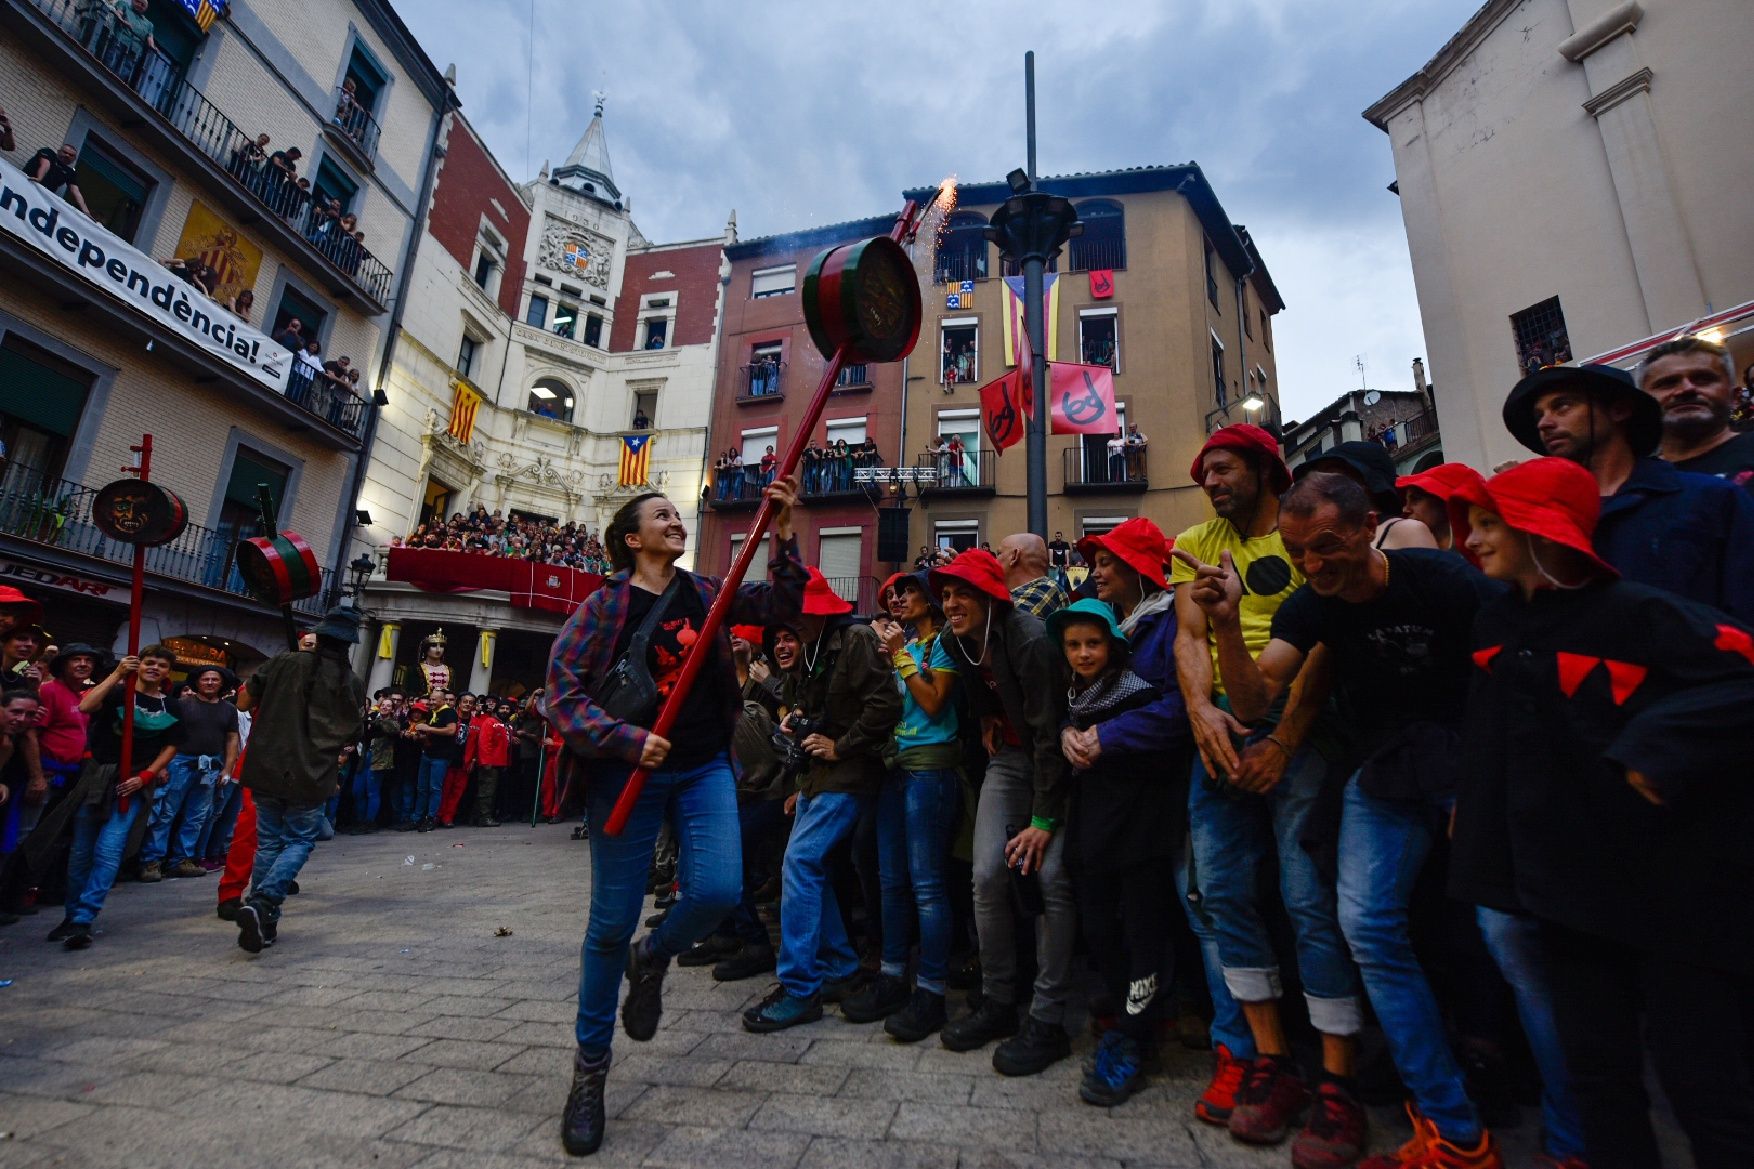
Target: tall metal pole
pixel 1035 322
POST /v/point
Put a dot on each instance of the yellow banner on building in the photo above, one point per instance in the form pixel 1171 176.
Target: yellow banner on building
pixel 1012 318
pixel 221 247
pixel 463 408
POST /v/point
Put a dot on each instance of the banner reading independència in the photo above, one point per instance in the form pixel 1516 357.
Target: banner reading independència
pixel 55 228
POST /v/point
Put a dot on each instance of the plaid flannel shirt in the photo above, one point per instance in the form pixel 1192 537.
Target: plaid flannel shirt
pixel 585 651
pixel 1039 597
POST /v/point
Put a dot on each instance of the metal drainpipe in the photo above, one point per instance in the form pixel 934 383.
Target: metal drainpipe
pixel 433 154
pixel 1242 350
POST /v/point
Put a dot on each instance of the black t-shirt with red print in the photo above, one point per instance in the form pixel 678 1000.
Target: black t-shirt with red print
pixel 699 733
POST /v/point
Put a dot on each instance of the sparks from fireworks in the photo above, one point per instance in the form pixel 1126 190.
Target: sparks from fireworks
pixel 937 217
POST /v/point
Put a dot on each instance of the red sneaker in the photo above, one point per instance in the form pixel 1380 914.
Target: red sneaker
pixel 1219 1098
pixel 1272 1097
pixel 1333 1138
pixel 1428 1150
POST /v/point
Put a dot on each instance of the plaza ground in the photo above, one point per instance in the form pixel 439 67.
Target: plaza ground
pixel 392 1027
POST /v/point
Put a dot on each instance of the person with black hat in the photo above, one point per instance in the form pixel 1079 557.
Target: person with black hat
pixel 1690 534
pixel 307 711
pixel 842 684
pixel 204 759
pixel 1606 794
pixel 1372 468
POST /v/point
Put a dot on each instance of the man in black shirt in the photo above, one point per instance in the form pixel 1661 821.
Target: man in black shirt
pixel 1389 634
pixel 206 757
pixel 1694 381
pixel 438 751
pixel 55 170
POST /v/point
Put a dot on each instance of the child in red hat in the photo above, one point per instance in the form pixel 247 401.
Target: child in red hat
pixel 1607 794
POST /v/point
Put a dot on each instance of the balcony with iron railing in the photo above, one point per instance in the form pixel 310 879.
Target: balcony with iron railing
pixel 972 472
pixel 1093 467
pixel 832 475
pixel 860 590
pixel 55 513
pixel 353 128
pixel 1093 255
pixel 326 398
pixel 853 379
pixel 761 381
pixel 953 266
pixel 153 98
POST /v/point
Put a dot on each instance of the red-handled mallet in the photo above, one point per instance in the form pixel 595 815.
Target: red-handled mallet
pixel 862 303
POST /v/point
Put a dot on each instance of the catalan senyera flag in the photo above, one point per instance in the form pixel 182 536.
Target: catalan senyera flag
pixel 1013 315
pixel 636 459
pixel 463 408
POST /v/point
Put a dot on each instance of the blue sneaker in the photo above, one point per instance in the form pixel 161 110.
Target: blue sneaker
pixel 1113 1075
pixel 782 1009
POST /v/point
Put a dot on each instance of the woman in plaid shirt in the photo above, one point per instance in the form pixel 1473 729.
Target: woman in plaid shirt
pixel 690 784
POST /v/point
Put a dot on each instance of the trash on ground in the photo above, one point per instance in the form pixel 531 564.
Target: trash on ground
pixel 502 932
pixel 408 860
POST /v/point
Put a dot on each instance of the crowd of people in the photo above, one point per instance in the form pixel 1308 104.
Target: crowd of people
pixel 1456 759
pixel 516 536
pixel 826 467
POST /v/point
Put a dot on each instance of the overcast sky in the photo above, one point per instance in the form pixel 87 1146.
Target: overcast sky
pixel 798 114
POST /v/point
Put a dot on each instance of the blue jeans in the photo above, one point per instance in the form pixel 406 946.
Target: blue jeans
pixel 915 813
pixel 813 939
pixel 701 805
pixel 1232 832
pixel 368 787
pixel 1228 1025
pixel 429 787
pixel 405 797
pixel 758 821
pixel 100 836
pixel 285 835
pixel 215 838
pixel 181 803
pixel 1514 941
pixel 1383 845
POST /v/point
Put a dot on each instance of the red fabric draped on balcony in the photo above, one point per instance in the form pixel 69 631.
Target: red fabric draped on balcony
pixel 551 587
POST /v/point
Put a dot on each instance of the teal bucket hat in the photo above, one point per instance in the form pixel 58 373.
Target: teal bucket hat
pixel 1087 610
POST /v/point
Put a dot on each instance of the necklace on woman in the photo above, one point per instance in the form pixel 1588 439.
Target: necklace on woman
pixel 810 658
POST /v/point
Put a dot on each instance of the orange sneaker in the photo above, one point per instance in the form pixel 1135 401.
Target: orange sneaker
pixel 1428 1150
pixel 1219 1098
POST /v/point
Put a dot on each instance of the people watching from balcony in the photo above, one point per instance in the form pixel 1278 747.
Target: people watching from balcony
pixel 242 305
pixel 291 336
pixel 349 114
pixel 641 422
pixel 120 33
pixel 569 545
pixel 1135 451
pixel 195 272
pixel 248 160
pixel 54 170
pixel 8 141
pixel 1117 457
pixel 769 461
pixel 310 363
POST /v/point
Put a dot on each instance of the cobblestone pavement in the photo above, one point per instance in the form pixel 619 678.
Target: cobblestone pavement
pixel 391 1027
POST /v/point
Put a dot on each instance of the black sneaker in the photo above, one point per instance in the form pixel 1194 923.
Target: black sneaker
pixel 746 963
pixel 839 990
pixel 292 889
pixel 645 991
pixel 992 1020
pixel 405 826
pixel 877 1000
pixel 228 909
pixel 249 921
pixel 270 931
pixel 78 936
pixel 710 951
pixel 581 1125
pixel 61 932
pixel 1033 1050
pixel 923 1015
pixel 423 826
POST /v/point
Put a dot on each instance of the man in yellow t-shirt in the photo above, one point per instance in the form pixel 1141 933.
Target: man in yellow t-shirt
pixel 1246 802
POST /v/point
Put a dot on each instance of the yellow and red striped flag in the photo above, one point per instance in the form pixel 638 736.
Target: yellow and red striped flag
pixel 636 458
pixel 463 408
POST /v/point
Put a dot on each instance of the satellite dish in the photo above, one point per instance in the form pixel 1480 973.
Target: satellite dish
pixel 1372 397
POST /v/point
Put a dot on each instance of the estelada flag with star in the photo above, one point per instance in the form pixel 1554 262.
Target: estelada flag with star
pixel 1002 408
pixel 636 458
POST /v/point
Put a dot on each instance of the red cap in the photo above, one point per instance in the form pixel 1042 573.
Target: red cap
pixel 820 599
pixel 33 611
pixel 978 568
pixel 1138 543
pixel 1251 440
pixel 750 633
pixel 1555 499
pixel 1443 480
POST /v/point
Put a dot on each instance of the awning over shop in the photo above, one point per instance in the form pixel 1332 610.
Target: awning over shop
pixel 550 587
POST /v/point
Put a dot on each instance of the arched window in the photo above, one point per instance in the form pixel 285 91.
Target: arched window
pixel 962 250
pixel 1103 243
pixel 551 398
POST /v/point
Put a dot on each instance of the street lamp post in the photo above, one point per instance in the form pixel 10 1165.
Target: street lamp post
pixel 1030 228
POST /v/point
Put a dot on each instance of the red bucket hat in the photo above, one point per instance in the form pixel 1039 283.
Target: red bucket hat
pixel 1138 543
pixel 1443 480
pixel 1251 440
pixel 27 611
pixel 750 633
pixel 1553 498
pixel 820 600
pixel 977 568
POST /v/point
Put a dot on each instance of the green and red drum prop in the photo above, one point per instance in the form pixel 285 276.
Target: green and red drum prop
pixel 140 513
pixel 863 300
pixel 279 569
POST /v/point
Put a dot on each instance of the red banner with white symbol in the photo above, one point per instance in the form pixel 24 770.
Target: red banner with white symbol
pixel 1002 409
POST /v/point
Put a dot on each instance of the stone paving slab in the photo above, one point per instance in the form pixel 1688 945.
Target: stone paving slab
pixel 391 1028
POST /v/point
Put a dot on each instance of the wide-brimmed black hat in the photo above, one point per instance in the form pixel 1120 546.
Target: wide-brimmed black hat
pixel 341 623
pixel 96 655
pixel 1644 430
pixel 228 681
pixel 1370 461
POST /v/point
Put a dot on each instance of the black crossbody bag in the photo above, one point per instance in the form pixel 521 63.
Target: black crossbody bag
pixel 627 692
